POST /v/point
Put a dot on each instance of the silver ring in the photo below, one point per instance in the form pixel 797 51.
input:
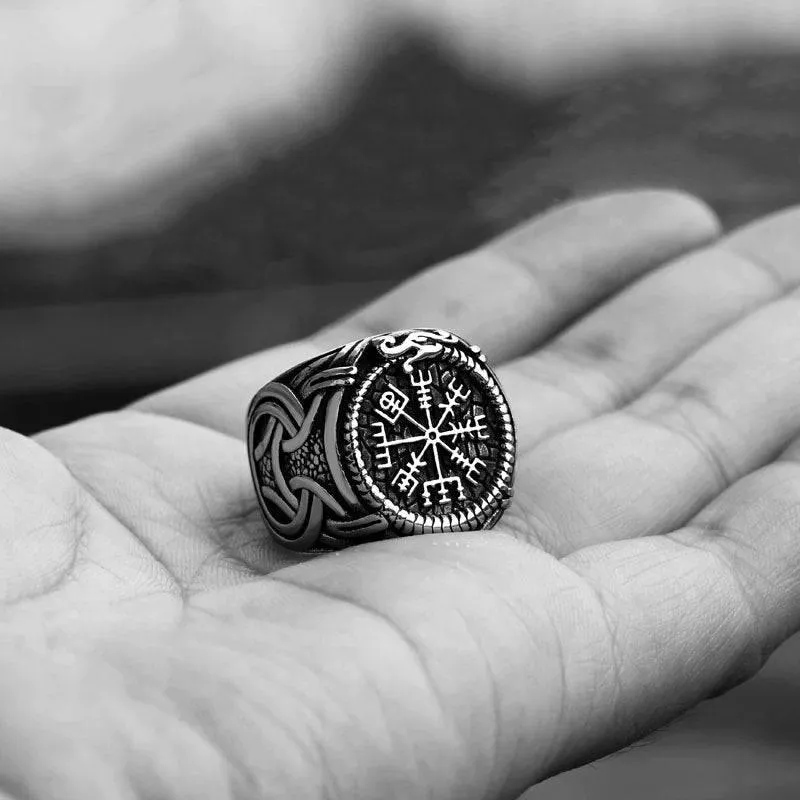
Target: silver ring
pixel 398 434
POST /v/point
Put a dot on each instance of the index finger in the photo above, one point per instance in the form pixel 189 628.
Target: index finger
pixel 506 297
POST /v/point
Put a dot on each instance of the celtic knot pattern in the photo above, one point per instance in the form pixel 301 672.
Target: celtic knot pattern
pixel 305 496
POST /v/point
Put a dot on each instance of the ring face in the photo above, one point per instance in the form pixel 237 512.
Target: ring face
pixel 402 433
pixel 432 441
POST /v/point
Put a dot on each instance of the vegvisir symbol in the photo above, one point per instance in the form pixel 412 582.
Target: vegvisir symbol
pixel 434 461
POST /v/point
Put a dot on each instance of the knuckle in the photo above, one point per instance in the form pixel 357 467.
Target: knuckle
pixel 685 411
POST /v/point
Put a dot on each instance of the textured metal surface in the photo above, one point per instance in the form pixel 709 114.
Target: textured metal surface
pixel 399 434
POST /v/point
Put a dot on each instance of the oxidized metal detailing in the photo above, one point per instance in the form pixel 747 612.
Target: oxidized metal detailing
pixel 398 434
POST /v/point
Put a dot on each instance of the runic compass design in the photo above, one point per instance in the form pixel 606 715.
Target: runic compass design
pixel 440 449
pixel 399 434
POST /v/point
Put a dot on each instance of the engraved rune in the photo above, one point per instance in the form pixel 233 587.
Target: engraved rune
pixel 476 426
pixel 383 459
pixel 471 466
pixel 455 396
pixel 406 479
pixel 444 484
pixel 422 382
pixel 392 403
pixel 437 452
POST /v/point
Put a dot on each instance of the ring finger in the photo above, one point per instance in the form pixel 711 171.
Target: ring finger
pixel 723 412
pixel 507 297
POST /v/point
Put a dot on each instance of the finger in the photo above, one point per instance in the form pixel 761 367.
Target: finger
pixel 725 411
pixel 506 297
pixel 697 611
pixel 611 356
pixel 495 665
pixel 648 468
pixel 518 290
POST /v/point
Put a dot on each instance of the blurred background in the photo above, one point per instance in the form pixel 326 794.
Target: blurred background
pixel 427 160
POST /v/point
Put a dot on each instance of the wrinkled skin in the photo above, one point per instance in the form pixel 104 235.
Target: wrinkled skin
pixel 153 643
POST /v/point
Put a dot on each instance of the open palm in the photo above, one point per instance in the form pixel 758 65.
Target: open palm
pixel 154 643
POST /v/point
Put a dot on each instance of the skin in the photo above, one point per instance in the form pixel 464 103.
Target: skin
pixel 153 643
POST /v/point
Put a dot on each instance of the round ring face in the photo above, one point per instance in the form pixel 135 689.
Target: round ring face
pixel 431 441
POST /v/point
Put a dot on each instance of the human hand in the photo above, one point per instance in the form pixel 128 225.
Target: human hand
pixel 115 112
pixel 154 643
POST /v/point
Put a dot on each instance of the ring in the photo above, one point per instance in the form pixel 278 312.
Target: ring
pixel 398 434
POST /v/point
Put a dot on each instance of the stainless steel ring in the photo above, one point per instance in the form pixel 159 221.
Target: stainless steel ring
pixel 397 434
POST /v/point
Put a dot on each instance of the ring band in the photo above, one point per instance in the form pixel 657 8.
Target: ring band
pixel 393 435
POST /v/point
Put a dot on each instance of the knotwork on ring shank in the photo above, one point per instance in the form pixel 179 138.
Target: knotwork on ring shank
pixel 397 434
